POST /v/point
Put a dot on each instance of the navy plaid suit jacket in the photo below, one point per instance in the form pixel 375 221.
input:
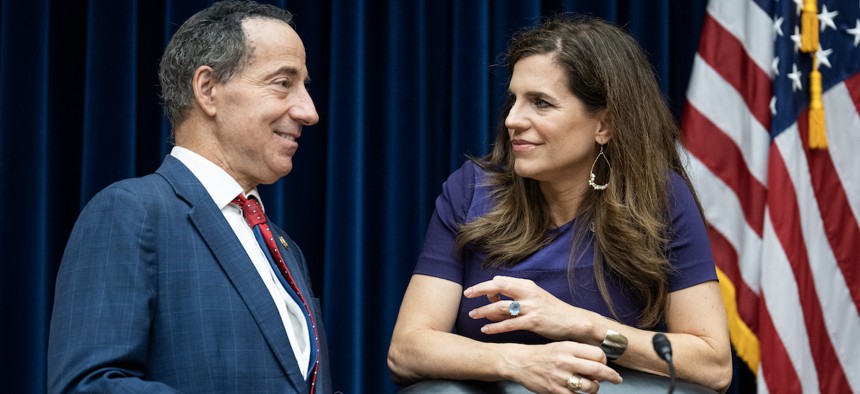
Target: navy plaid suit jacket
pixel 156 294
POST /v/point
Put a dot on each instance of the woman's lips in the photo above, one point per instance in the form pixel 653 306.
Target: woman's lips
pixel 522 145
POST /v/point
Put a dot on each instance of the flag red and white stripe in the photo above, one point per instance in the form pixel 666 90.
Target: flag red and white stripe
pixel 783 219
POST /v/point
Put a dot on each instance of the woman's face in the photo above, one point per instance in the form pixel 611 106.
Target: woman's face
pixel 551 134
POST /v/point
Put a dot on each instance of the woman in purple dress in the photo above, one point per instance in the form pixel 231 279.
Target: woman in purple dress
pixel 574 241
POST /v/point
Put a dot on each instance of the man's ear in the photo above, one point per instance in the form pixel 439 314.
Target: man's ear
pixel 205 86
pixel 604 128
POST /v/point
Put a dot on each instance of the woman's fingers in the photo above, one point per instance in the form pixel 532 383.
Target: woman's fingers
pixel 504 285
pixel 527 307
pixel 590 361
pixel 496 311
pixel 564 367
pixel 579 384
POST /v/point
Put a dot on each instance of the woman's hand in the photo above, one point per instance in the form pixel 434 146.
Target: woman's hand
pixel 423 347
pixel 548 368
pixel 540 311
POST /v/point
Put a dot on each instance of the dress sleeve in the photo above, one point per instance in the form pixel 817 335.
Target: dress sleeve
pixel 440 257
pixel 689 245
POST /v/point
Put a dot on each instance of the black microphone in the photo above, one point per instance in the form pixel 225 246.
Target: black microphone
pixel 664 350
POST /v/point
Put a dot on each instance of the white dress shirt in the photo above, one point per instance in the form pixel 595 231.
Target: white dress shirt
pixel 223 189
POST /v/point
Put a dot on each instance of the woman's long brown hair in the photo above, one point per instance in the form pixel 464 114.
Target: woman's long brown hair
pixel 608 71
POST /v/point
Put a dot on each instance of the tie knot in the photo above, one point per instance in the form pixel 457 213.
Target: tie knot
pixel 251 210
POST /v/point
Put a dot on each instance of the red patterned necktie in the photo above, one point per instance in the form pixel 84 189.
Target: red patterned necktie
pixel 255 217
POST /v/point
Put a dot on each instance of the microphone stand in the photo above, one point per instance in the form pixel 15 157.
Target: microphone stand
pixel 664 350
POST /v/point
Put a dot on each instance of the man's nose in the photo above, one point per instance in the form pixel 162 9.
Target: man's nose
pixel 304 110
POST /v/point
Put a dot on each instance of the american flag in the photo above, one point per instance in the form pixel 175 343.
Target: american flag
pixel 783 218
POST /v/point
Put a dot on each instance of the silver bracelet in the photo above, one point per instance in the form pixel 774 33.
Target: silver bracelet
pixel 614 345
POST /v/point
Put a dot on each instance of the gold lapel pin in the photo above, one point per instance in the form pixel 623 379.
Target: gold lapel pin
pixel 283 242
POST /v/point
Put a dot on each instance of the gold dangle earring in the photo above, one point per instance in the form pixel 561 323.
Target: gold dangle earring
pixel 591 180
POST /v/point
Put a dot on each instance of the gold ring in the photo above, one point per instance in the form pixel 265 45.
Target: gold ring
pixel 574 383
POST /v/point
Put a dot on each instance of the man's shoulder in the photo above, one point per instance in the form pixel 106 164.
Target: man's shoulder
pixel 151 189
pixel 161 182
pixel 147 184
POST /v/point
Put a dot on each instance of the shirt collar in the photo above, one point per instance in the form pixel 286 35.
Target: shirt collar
pixel 218 183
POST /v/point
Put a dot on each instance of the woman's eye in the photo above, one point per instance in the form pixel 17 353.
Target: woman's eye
pixel 541 103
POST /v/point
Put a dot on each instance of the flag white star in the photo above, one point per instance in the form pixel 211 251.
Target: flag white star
pixel 821 56
pixel 796 38
pixel 855 32
pixel 777 26
pixel 773 106
pixel 799 5
pixel 825 19
pixel 774 65
pixel 794 76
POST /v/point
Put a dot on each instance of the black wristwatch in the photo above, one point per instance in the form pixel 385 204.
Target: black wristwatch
pixel 614 345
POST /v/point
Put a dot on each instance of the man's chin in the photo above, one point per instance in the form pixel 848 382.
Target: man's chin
pixel 274 176
pixel 284 172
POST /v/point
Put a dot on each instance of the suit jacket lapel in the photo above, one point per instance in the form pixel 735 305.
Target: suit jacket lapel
pixel 298 268
pixel 293 263
pixel 235 262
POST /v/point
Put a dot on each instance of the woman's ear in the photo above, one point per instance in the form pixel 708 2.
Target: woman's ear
pixel 204 85
pixel 604 128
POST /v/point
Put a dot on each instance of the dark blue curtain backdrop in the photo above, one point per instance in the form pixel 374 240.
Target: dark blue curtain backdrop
pixel 404 90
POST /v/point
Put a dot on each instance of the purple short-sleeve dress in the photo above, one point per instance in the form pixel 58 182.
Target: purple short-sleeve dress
pixel 465 196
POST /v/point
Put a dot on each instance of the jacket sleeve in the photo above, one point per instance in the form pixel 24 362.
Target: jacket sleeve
pixel 105 299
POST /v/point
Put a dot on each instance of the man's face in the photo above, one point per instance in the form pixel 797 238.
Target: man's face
pixel 260 111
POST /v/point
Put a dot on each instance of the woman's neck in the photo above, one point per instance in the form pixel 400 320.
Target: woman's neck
pixel 563 200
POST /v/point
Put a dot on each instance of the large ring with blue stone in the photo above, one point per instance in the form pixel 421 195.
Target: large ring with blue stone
pixel 514 308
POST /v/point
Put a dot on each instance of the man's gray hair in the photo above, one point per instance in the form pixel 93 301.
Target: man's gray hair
pixel 212 37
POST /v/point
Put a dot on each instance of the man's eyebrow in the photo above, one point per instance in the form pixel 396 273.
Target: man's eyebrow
pixel 288 70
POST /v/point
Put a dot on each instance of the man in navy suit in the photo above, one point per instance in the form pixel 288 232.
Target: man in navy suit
pixel 164 286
